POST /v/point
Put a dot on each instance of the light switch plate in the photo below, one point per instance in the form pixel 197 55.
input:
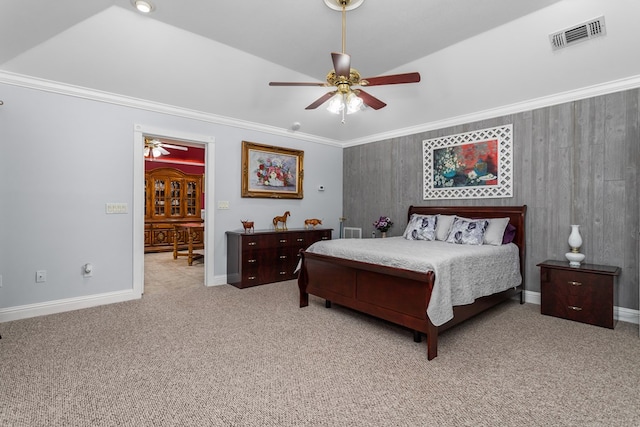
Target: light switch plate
pixel 117 208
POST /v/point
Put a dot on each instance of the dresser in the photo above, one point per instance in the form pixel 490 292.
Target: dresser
pixel 584 294
pixel 267 256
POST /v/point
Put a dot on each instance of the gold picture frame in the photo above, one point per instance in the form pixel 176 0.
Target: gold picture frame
pixel 271 172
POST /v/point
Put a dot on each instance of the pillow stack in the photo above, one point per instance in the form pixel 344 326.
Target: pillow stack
pixel 460 230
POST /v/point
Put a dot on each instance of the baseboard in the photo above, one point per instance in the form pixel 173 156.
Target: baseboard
pixel 62 305
pixel 218 280
pixel 619 313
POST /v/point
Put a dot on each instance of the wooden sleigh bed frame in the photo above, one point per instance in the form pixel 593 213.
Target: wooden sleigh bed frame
pixel 402 296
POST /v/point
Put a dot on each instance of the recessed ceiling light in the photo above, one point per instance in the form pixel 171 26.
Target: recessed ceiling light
pixel 143 5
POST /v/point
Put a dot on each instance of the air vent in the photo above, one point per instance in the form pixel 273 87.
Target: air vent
pixel 582 32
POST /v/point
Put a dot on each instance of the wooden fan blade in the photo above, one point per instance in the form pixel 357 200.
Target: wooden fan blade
pixel 392 79
pixel 296 84
pixel 175 147
pixel 318 102
pixel 371 101
pixel 341 64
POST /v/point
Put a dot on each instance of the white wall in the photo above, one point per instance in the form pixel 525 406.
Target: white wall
pixel 63 157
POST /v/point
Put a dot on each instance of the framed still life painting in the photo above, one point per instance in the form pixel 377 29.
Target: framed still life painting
pixel 477 164
pixel 271 172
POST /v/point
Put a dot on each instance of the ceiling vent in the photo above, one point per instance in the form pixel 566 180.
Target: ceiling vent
pixel 579 33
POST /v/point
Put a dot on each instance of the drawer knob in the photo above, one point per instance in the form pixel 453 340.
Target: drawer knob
pixel 251 277
pixel 572 283
pixel 283 273
pixel 324 238
pixel 283 240
pixel 251 260
pixel 252 243
pixel 283 257
pixel 300 240
pixel 574 308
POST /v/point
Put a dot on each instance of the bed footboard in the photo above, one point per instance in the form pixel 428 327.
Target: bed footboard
pixel 396 295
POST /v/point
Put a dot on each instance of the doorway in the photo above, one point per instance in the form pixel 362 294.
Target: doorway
pixel 189 156
pixel 174 214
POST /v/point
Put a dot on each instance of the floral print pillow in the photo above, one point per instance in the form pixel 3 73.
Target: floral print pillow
pixel 467 231
pixel 421 227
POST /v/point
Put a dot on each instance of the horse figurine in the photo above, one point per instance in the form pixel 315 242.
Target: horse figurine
pixel 248 226
pixel 282 219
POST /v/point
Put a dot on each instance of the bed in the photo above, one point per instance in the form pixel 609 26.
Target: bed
pixel 389 291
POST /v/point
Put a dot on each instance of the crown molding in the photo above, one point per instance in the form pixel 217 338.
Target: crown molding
pixel 30 82
pixel 545 101
pixel 15 79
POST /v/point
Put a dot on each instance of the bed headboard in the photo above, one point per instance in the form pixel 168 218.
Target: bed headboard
pixel 516 215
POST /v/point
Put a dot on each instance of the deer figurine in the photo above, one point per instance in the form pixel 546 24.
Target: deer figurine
pixel 248 226
pixel 312 222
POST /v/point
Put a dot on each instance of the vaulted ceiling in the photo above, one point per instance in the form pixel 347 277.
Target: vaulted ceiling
pixel 217 57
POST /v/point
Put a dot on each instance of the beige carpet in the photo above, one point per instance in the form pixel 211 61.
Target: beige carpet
pixel 162 273
pixel 222 356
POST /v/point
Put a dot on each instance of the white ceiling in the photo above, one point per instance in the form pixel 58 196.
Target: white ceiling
pixel 217 57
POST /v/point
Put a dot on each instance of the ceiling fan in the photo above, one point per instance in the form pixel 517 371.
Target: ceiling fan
pixel 345 98
pixel 155 148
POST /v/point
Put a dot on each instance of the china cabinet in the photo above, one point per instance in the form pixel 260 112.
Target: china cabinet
pixel 171 198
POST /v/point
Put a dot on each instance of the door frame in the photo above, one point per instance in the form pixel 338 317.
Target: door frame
pixel 140 131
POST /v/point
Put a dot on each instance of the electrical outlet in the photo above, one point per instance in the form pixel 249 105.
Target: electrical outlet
pixel 41 276
pixel 223 204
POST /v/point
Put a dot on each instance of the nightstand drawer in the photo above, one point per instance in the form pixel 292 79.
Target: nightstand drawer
pixel 585 303
pixel 581 294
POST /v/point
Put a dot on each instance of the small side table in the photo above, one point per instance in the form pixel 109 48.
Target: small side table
pixel 585 294
pixel 190 229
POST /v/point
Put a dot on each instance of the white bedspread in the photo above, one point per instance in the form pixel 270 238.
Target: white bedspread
pixel 463 272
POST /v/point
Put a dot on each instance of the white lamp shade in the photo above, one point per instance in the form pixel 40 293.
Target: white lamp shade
pixel 354 103
pixel 336 104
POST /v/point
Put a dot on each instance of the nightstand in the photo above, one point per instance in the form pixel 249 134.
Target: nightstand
pixel 584 294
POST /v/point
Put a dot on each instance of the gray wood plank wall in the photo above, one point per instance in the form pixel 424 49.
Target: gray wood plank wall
pixel 574 163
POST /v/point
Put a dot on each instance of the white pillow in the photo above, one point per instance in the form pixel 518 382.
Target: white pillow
pixel 443 225
pixel 495 231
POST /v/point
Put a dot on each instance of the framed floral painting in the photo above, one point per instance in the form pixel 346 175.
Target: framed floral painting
pixel 271 172
pixel 477 164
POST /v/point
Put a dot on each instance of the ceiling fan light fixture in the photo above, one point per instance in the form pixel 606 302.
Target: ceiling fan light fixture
pixel 336 104
pixel 155 151
pixel 143 6
pixel 354 103
pixel 345 98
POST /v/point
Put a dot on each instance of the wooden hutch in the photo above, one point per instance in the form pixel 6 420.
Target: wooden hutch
pixel 171 197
